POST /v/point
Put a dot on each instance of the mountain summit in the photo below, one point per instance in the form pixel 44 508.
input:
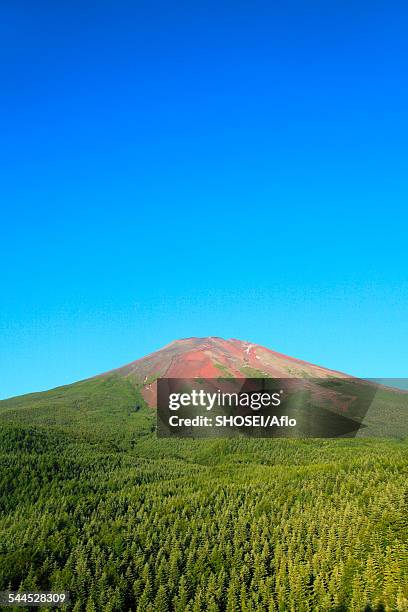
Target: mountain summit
pixel 213 357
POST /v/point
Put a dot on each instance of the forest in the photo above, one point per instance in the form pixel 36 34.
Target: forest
pixel 92 503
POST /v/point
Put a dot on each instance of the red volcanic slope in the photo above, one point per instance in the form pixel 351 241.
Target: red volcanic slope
pixel 213 357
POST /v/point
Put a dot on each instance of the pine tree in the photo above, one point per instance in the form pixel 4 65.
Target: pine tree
pixel 161 600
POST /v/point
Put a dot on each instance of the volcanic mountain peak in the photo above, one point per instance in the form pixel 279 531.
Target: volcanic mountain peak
pixel 214 357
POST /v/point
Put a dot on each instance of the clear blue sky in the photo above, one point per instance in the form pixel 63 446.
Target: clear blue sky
pixel 176 169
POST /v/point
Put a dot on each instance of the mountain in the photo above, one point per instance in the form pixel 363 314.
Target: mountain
pixel 214 357
pixel 111 401
pixel 95 503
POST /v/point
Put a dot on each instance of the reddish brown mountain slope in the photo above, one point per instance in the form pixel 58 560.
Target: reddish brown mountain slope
pixel 213 357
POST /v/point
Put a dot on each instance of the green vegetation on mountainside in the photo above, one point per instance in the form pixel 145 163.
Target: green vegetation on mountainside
pixel 92 503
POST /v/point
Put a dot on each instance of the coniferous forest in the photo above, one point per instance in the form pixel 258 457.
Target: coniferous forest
pixel 91 502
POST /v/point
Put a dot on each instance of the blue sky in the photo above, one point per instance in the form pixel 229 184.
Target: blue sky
pixel 190 169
